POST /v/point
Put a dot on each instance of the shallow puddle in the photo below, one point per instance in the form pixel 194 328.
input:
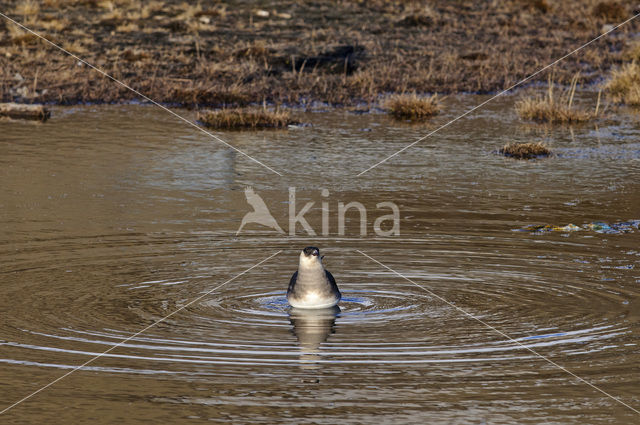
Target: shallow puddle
pixel 113 217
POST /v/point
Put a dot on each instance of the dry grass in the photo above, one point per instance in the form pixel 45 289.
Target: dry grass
pixel 624 85
pixel 541 5
pixel 29 112
pixel 413 107
pixel 128 27
pixel 135 55
pixel 611 10
pixel 189 11
pixel 76 47
pixel 300 54
pixel 28 9
pixel 632 52
pixel 54 24
pixel 248 118
pixel 555 108
pixel 25 38
pixel 219 11
pixel 525 150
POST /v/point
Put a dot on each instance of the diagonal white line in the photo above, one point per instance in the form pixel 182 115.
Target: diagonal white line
pixel 180 117
pixel 499 94
pixel 500 332
pixel 135 335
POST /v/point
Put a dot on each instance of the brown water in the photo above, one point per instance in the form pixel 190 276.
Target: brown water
pixel 114 217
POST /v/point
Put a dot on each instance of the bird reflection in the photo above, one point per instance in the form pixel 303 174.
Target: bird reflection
pixel 312 328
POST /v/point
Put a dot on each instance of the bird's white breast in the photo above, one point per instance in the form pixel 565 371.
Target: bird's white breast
pixel 313 299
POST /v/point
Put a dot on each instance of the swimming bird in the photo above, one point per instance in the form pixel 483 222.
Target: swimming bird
pixel 312 286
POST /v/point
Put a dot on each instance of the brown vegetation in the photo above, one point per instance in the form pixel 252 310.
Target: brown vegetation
pixel 632 52
pixel 526 150
pixel 542 5
pixel 252 118
pixel 343 52
pixel 555 109
pixel 412 107
pixel 624 84
pixel 611 10
pixel 27 112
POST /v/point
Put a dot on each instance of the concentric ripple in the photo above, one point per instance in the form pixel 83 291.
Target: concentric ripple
pixel 384 321
pixel 108 232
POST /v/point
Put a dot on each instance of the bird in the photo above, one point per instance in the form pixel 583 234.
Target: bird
pixel 312 286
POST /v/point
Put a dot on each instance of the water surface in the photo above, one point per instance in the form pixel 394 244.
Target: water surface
pixel 114 217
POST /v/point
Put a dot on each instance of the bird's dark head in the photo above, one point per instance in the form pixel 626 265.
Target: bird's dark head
pixel 311 251
pixel 310 258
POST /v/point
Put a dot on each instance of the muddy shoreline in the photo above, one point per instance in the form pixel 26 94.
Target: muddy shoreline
pixel 297 53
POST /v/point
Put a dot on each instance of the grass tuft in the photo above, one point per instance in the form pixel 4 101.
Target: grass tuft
pixel 28 9
pixel 624 84
pixel 249 118
pixel 134 55
pixel 554 108
pixel 526 150
pixel 53 24
pixel 632 52
pixel 25 38
pixel 541 5
pixel 412 107
pixel 610 10
pixel 128 27
pixel 29 112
